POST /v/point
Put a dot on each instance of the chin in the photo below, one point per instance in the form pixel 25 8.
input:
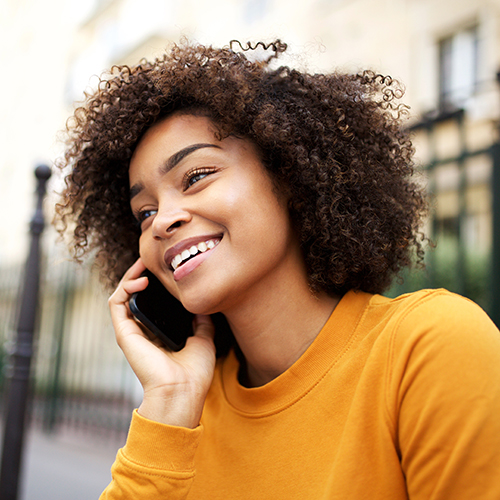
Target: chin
pixel 203 305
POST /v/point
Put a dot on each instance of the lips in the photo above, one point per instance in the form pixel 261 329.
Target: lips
pixel 185 255
pixel 179 254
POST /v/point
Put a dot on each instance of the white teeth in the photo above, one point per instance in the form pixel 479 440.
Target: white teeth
pixel 186 254
pixel 176 261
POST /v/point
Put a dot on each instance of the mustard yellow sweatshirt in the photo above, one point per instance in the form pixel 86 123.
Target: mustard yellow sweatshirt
pixel 395 399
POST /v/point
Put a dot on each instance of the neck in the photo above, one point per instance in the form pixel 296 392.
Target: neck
pixel 276 325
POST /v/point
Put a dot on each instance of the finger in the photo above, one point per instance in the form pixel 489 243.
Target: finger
pixel 131 282
pixel 119 301
pixel 203 326
pixel 135 270
pixel 135 285
pixel 119 304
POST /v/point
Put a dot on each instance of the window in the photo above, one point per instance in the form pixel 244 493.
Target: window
pixel 458 61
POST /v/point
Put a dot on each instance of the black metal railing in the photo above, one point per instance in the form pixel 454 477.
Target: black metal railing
pixel 19 373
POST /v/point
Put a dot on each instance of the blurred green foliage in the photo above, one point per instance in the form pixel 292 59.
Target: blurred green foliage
pixel 443 269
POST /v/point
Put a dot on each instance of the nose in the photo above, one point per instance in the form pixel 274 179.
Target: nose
pixel 168 220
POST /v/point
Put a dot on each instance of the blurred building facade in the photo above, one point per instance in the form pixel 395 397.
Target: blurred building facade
pixel 446 52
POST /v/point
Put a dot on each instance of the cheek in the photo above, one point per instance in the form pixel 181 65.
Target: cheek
pixel 146 251
pixel 270 213
pixel 150 256
pixel 264 228
pixel 251 200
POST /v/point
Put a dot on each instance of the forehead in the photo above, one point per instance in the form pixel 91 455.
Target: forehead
pixel 174 133
pixel 169 139
pixel 167 143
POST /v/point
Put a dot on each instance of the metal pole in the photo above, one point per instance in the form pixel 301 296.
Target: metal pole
pixel 18 383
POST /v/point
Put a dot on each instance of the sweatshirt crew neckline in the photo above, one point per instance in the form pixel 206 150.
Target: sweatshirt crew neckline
pixel 332 342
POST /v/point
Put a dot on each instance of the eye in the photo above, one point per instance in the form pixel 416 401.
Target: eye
pixel 193 176
pixel 142 215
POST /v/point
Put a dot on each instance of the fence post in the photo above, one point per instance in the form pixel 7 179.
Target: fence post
pixel 18 380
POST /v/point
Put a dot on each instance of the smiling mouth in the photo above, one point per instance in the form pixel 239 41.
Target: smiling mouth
pixel 187 254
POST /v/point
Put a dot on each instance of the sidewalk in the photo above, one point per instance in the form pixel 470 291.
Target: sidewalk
pixel 65 466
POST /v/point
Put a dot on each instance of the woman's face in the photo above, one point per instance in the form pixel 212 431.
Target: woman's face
pixel 213 228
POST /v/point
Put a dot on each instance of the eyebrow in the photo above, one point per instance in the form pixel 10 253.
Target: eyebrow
pixel 174 160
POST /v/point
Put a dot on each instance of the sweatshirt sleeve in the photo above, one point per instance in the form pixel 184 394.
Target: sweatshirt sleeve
pixel 157 462
pixel 447 372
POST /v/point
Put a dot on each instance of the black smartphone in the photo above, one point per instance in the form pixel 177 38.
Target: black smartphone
pixel 165 316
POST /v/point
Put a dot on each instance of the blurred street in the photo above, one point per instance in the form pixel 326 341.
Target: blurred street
pixel 65 466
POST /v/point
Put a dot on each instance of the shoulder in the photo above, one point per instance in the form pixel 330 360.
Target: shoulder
pixel 444 392
pixel 436 337
pixel 450 318
pixel 440 301
pixel 441 304
pixel 437 314
pixel 442 340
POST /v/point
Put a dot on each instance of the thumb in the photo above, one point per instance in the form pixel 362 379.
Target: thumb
pixel 203 326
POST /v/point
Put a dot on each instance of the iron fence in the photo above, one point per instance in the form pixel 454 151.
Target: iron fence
pixel 81 380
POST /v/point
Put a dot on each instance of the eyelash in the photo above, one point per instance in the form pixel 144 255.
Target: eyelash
pixel 140 215
pixel 191 174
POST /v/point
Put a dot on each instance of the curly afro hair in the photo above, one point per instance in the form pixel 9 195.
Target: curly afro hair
pixel 334 143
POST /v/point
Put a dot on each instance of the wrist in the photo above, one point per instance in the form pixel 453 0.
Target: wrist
pixel 172 410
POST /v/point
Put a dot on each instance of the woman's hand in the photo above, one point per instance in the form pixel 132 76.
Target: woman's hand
pixel 175 383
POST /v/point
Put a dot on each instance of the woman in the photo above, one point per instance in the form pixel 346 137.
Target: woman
pixel 295 192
